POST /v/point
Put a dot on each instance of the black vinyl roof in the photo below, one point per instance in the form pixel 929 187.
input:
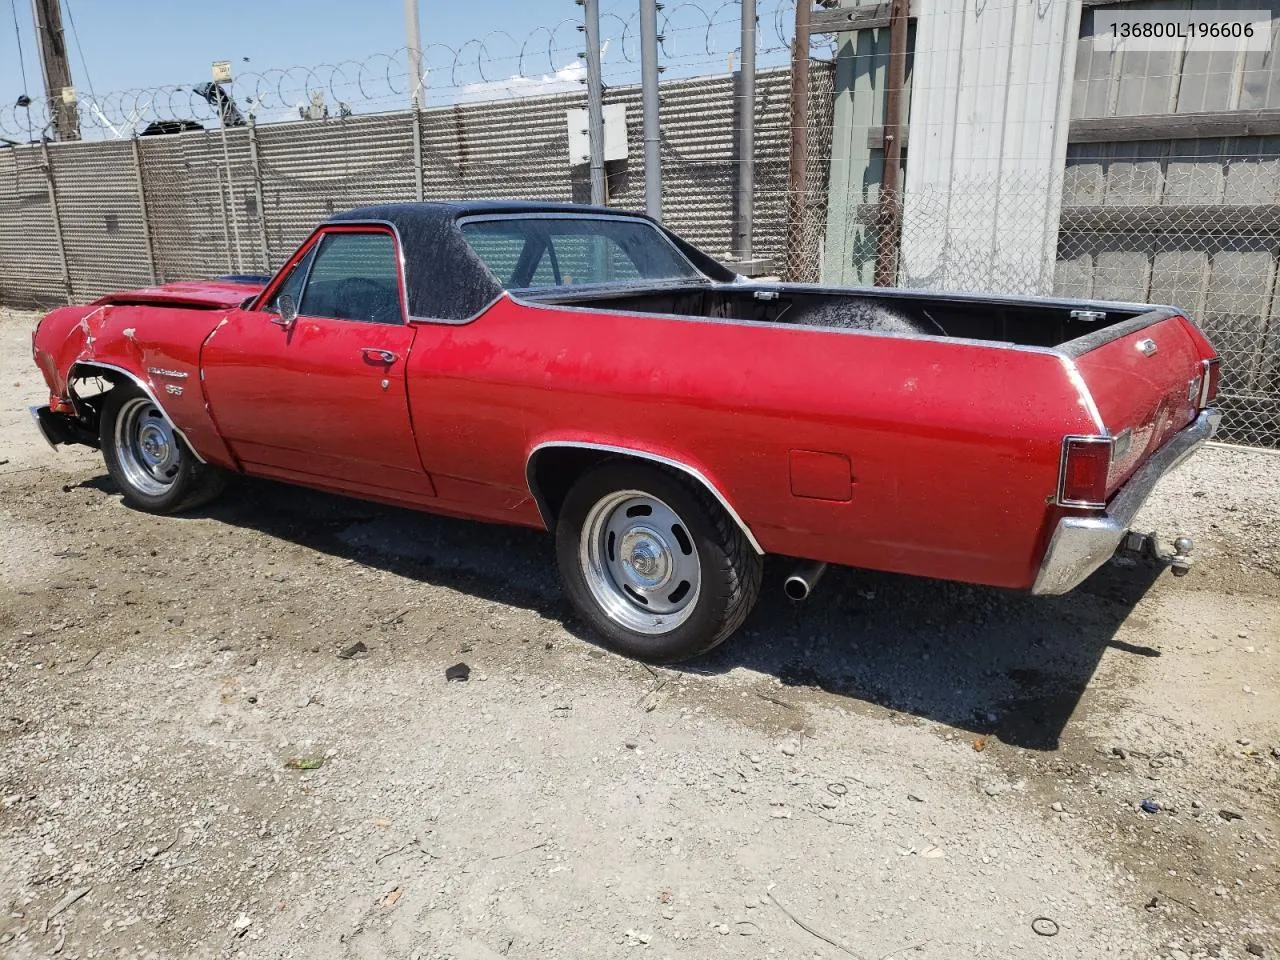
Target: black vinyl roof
pixel 445 279
pixel 467 208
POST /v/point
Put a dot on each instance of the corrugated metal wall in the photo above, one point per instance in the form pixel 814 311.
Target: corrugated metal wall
pixel 97 192
pixel 987 138
pixel 310 170
pixel 200 190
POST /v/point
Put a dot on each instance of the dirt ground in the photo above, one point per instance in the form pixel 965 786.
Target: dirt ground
pixel 898 768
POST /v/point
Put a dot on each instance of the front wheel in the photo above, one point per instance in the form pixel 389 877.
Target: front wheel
pixel 153 467
pixel 653 563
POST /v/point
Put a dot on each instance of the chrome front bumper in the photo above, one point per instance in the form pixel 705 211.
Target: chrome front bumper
pixel 1080 545
pixel 47 423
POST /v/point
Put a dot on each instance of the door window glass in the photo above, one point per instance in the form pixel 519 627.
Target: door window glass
pixel 293 282
pixel 356 276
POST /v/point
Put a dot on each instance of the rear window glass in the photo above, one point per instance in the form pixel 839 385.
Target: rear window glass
pixel 526 252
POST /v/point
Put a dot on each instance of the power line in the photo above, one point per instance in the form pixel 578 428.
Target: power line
pixel 76 35
pixel 22 63
pixel 25 97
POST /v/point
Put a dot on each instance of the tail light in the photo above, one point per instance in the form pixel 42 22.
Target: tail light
pixel 1209 380
pixel 1082 477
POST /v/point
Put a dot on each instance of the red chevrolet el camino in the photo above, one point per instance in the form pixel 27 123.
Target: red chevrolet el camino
pixel 587 371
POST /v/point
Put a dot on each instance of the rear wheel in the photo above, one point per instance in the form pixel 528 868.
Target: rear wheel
pixel 150 463
pixel 653 563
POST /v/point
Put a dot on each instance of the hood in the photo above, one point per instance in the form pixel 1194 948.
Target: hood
pixel 194 294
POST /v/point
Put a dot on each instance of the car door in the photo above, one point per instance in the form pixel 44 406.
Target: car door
pixel 321 398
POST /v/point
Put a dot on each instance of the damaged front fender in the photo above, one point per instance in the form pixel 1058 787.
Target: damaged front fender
pixel 126 344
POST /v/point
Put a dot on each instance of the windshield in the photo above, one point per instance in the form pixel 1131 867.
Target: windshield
pixel 551 251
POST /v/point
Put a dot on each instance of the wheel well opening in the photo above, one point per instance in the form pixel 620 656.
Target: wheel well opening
pixel 88 402
pixel 553 471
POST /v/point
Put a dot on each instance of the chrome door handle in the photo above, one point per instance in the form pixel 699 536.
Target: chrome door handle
pixel 379 355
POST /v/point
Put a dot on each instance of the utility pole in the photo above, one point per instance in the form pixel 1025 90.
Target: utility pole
pixel 652 131
pixel 413 41
pixel 747 133
pixel 56 67
pixel 595 103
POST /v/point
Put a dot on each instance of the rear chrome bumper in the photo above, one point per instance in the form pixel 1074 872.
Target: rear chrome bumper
pixel 1080 545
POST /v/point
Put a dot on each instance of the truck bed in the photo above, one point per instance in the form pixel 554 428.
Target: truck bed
pixel 1138 369
pixel 1014 320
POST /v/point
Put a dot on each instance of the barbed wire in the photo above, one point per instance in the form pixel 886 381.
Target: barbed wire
pixel 496 66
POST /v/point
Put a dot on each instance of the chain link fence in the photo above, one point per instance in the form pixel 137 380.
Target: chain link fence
pixel 79 220
pixel 1194 223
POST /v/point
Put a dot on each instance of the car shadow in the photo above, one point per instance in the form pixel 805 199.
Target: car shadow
pixel 994 662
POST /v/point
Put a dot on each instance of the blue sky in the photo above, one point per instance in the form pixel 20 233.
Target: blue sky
pixel 129 44
pixel 145 43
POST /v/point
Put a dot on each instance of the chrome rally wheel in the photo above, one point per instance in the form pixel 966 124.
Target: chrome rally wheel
pixel 651 561
pixel 148 459
pixel 146 447
pixel 639 562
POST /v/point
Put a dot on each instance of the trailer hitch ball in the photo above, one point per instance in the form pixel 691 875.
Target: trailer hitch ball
pixel 1148 546
pixel 1181 559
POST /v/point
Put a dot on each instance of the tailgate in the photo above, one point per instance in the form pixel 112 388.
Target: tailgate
pixel 1146 386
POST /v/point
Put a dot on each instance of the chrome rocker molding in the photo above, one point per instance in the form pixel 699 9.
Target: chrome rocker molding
pixel 642 455
pixel 1080 545
pixel 77 372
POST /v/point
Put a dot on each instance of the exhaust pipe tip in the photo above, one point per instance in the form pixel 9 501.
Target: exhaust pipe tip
pixel 796 588
pixel 803 579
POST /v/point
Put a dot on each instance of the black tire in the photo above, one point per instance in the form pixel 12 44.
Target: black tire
pixel 179 482
pixel 729 567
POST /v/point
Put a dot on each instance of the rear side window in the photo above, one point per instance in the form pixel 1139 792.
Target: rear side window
pixel 560 251
pixel 355 276
pixel 584 258
pixel 499 246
